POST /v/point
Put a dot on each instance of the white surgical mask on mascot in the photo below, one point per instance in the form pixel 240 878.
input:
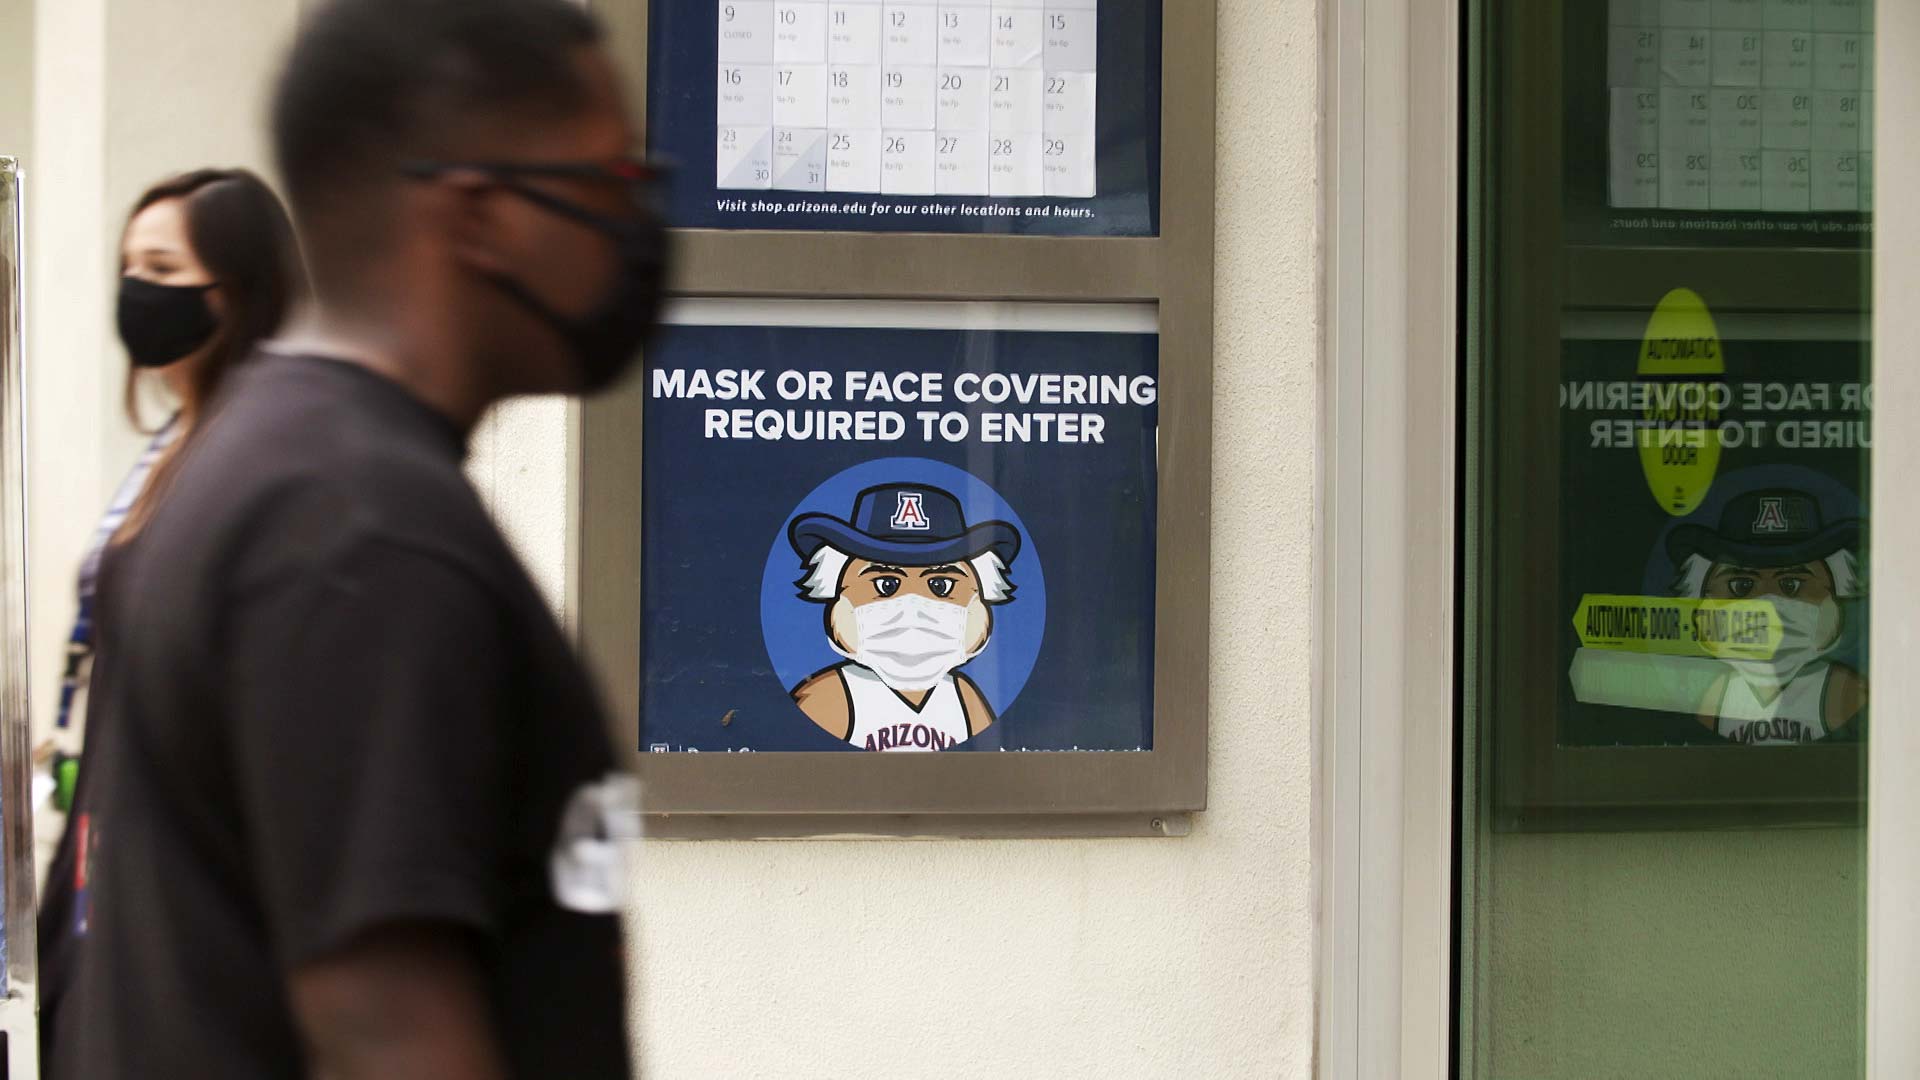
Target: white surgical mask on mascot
pixel 909 641
pixel 1808 631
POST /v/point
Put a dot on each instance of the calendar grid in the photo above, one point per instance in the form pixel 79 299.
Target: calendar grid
pixel 1741 105
pixel 908 97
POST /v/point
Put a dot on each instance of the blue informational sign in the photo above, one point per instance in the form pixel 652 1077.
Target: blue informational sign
pixel 1027 117
pixel 898 539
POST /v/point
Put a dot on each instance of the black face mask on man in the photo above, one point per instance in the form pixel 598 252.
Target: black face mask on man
pixel 163 324
pixel 606 340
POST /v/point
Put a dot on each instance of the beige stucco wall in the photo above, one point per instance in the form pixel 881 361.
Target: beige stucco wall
pixel 16 77
pixel 1107 959
pixel 66 361
pixel 1113 959
pixel 1184 957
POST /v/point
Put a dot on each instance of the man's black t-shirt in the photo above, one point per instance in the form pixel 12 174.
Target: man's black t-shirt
pixel 328 699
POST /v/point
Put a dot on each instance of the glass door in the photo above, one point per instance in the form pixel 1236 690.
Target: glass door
pixel 1665 669
pixel 17 965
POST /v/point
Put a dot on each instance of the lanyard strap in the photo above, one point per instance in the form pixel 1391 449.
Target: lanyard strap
pixel 80 643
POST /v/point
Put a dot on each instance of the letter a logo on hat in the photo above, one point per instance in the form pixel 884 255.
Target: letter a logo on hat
pixel 910 514
pixel 1772 517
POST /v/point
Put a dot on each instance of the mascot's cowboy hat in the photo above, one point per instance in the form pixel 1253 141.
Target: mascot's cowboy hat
pixel 1765 529
pixel 907 524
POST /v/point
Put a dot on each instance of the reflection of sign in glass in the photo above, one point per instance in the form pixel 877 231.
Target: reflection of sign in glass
pixel 1774 544
pixel 1680 359
pixel 1739 614
pixel 1018 116
pixel 898 538
pixel 1740 105
pixel 1678 626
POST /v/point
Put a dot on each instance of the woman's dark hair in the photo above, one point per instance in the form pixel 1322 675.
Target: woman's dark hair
pixel 241 234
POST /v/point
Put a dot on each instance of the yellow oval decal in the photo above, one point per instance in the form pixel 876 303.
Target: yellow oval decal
pixel 1679 438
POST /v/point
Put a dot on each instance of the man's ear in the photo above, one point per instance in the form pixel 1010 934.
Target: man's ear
pixel 472 209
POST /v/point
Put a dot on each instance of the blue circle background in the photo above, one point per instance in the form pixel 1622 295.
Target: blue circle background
pixel 793 628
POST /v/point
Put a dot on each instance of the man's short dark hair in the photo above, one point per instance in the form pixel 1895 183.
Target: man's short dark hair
pixel 372 83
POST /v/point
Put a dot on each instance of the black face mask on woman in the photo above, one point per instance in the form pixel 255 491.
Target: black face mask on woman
pixel 163 324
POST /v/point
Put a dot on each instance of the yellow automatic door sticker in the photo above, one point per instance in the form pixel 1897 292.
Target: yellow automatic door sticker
pixel 1679 439
pixel 1678 626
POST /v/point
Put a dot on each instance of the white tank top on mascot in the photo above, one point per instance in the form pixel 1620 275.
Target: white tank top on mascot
pixel 882 719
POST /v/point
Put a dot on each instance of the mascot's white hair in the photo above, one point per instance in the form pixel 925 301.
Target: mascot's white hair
pixel 828 563
pixel 1844 565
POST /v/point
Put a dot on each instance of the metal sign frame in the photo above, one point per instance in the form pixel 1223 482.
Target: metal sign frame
pixel 944 794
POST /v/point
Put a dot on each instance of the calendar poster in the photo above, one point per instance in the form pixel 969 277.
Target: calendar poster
pixel 1031 117
pixel 1713 544
pixel 886 539
pixel 1734 122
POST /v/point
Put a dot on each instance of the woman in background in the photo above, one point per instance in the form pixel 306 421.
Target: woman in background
pixel 209 269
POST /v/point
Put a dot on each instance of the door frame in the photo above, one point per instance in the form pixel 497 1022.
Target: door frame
pixel 1385 603
pixel 1386 693
pixel 1893 819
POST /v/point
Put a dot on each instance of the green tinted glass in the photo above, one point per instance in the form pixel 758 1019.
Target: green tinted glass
pixel 1669 225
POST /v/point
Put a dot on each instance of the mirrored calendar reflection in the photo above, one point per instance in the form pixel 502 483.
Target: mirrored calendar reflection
pixel 1760 105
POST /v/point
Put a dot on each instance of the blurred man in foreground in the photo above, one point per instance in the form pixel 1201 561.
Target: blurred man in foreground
pixel 349 805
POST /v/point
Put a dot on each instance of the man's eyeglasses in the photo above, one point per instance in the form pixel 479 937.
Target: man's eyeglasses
pixel 625 170
pixel 642 179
